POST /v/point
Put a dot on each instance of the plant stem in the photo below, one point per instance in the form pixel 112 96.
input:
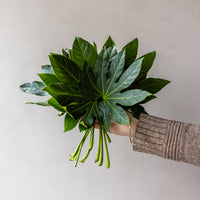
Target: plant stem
pixel 107 136
pixel 80 147
pixel 76 151
pixel 98 150
pixel 90 145
pixel 101 143
pixel 106 147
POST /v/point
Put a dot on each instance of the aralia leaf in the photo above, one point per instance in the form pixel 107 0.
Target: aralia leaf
pixel 83 51
pixel 47 69
pixel 117 113
pixel 109 43
pixel 146 64
pixel 65 53
pixel 69 122
pixel 131 52
pixel 115 70
pixel 52 102
pixel 35 87
pixel 137 110
pixel 129 97
pixel 48 79
pixel 101 68
pixel 152 85
pixel 128 77
pixel 63 93
pixel 65 69
pixel 45 103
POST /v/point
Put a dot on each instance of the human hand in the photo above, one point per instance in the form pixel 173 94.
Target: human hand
pixel 121 129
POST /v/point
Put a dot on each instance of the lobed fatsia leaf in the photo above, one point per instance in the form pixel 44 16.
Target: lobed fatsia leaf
pixel 35 87
pixel 131 52
pixel 83 51
pixel 127 78
pixel 128 98
pixel 152 85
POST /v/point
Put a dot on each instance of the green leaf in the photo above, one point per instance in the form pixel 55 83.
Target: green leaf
pixel 149 98
pixel 89 116
pixel 152 85
pixel 45 103
pixel 47 69
pixel 48 79
pixel 83 51
pixel 115 70
pixel 137 110
pixel 111 52
pixel 128 77
pixel 64 93
pixel 146 64
pixel 95 47
pixel 65 53
pixel 109 43
pixel 69 122
pixel 65 69
pixel 82 126
pixel 131 52
pixel 35 87
pixel 101 68
pixel 129 97
pixel 52 102
pixel 117 113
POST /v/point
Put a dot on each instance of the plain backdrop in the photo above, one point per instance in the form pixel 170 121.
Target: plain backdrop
pixel 34 151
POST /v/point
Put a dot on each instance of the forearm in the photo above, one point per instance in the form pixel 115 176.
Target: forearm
pixel 168 139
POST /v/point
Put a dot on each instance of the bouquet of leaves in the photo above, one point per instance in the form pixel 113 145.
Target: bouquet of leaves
pixel 87 86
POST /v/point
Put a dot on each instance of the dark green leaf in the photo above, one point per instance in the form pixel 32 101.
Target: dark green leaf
pixel 65 70
pixel 64 93
pixel 83 51
pixel 35 87
pixel 152 85
pixel 109 43
pixel 137 110
pixel 65 53
pixel 131 52
pixel 146 64
pixel 48 79
pixel 149 98
pixel 82 126
pixel 95 47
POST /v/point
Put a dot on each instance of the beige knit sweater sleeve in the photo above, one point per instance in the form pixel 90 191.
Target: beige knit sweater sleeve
pixel 168 139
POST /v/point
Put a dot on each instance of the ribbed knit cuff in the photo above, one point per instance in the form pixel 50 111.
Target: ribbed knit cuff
pixel 158 136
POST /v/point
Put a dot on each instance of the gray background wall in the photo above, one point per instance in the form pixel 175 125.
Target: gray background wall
pixel 34 151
